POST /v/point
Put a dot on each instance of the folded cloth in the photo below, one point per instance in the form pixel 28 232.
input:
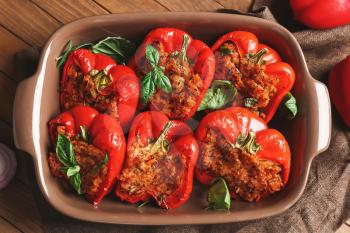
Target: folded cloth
pixel 325 204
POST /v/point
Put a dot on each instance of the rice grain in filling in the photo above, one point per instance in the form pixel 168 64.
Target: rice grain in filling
pixel 186 85
pixel 248 177
pixel 158 174
pixel 246 75
pixel 88 157
pixel 81 89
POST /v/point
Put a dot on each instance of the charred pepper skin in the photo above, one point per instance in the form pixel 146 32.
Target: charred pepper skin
pixel 125 85
pixel 197 51
pixel 247 43
pixel 149 125
pixel 321 14
pixel 106 134
pixel 230 123
pixel 338 84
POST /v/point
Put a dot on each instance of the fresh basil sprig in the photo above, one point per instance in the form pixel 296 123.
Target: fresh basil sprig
pixel 65 154
pixel 288 108
pixel 218 196
pixel 220 94
pixel 119 48
pixel 155 78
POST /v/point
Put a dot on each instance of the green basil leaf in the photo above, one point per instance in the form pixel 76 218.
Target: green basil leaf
pixel 220 94
pixel 250 102
pixel 161 80
pixel 75 181
pixel 101 164
pixel 225 50
pixel 218 196
pixel 147 88
pixel 65 151
pixel 119 48
pixel 288 108
pixel 71 171
pixel 152 55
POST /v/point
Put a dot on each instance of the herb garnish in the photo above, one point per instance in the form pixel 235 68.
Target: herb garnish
pixel 218 196
pixel 220 94
pixel 119 48
pixel 288 108
pixel 155 78
pixel 65 154
pixel 250 102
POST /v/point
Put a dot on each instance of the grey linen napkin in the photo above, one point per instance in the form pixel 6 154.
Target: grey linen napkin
pixel 325 204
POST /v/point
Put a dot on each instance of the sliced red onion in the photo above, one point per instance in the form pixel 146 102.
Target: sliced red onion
pixel 8 165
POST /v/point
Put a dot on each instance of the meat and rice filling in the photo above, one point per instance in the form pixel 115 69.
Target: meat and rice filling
pixel 186 85
pixel 88 158
pixel 87 89
pixel 248 177
pixel 247 75
pixel 158 173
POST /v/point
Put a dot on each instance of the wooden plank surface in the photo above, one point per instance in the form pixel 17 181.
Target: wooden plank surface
pixel 130 6
pixel 7 227
pixel 9 46
pixel 180 5
pixel 18 207
pixel 66 11
pixel 25 23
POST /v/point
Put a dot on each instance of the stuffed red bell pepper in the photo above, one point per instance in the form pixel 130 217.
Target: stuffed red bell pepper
pixel 90 149
pixel 175 70
pixel 237 145
pixel 161 156
pixel 255 70
pixel 96 80
pixel 321 14
pixel 338 83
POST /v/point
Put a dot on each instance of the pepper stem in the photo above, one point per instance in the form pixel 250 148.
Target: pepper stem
pixel 257 57
pixel 161 140
pixel 247 143
pixel 184 47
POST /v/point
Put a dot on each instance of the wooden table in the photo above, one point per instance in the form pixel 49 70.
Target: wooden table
pixel 26 23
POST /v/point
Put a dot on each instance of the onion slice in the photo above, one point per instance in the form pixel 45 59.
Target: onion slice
pixel 8 165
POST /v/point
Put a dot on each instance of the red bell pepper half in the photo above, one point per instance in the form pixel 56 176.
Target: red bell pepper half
pixel 255 70
pixel 321 14
pixel 237 145
pixel 338 83
pixel 161 156
pixel 175 71
pixel 96 80
pixel 90 134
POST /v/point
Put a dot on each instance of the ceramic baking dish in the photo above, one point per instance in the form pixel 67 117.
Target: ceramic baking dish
pixel 37 101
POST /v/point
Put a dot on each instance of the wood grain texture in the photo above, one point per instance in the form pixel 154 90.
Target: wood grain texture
pixel 6 227
pixel 9 46
pixel 199 5
pixel 27 21
pixel 7 86
pixel 241 5
pixel 126 6
pixel 17 206
pixel 66 11
pixel 343 229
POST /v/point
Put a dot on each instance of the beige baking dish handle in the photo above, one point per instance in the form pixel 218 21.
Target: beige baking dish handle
pixel 323 118
pixel 22 115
